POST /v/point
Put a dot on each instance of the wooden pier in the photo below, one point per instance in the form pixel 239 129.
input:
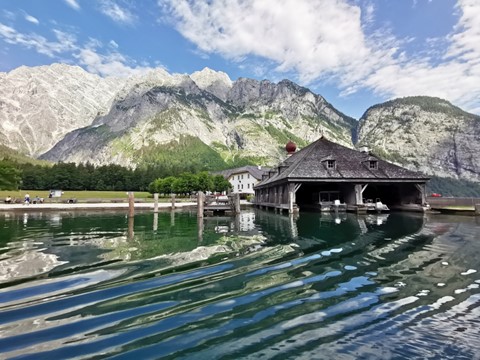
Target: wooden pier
pixel 211 205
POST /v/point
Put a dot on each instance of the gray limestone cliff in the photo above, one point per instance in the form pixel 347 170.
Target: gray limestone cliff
pixel 426 134
pixel 68 114
pixel 246 118
pixel 40 105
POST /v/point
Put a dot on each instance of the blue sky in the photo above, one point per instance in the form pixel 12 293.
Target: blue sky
pixel 355 53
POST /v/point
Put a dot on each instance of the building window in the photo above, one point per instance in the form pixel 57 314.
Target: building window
pixel 331 164
pixel 373 164
pixel 248 186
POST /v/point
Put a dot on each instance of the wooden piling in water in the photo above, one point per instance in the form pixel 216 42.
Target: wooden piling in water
pixel 200 203
pixel 173 201
pixel 131 233
pixel 155 203
pixel 155 221
pixel 131 204
pixel 236 199
pixel 477 209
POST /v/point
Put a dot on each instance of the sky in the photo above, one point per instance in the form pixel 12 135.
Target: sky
pixel 355 53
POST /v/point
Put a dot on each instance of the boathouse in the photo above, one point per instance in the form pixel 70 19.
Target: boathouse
pixel 328 173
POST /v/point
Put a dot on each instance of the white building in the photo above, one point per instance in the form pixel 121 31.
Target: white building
pixel 244 179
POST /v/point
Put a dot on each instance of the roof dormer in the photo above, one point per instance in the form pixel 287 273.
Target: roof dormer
pixel 331 164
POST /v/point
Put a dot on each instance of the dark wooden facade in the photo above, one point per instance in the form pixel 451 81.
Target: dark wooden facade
pixel 326 172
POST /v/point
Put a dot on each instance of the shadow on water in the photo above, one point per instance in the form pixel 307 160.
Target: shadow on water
pixel 169 285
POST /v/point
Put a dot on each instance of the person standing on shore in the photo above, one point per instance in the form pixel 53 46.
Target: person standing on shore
pixel 27 199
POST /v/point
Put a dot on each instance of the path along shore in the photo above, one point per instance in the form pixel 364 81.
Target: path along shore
pixel 91 206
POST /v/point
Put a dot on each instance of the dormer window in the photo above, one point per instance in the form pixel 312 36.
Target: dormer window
pixel 330 164
pixel 373 164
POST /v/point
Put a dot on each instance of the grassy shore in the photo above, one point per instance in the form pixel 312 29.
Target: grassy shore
pixel 79 195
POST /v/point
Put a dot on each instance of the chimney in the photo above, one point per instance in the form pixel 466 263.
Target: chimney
pixel 364 149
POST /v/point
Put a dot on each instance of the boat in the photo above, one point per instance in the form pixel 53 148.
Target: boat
pixel 377 206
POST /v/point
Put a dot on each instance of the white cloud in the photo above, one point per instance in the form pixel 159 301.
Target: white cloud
pixel 113 44
pixel 116 13
pixel 331 40
pixel 456 78
pixel 31 19
pixel 34 41
pixel 113 64
pixel 311 37
pixel 9 15
pixel 91 55
pixel 73 4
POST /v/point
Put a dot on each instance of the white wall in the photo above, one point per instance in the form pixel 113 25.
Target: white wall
pixel 243 183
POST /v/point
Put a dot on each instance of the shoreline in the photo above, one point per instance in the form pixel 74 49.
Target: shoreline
pixel 91 206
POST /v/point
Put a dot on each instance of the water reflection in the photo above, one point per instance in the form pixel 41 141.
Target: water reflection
pixel 167 284
pixel 69 239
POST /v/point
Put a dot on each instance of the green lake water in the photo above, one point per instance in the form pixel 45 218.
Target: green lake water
pixel 95 285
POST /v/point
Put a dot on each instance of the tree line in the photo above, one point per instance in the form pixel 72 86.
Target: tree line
pixel 70 176
pixel 187 183
pixel 10 176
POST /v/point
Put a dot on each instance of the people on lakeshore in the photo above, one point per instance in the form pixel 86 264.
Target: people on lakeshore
pixel 36 200
pixel 8 199
pixel 27 199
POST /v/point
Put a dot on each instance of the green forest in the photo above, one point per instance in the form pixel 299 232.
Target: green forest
pixel 453 187
pixel 15 173
pixel 70 176
pixel 187 183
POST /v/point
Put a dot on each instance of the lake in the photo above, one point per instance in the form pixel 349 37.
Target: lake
pixel 262 285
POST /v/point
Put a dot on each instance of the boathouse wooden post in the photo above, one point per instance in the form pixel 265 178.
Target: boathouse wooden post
pixel 477 209
pixel 421 189
pixel 293 226
pixel 359 189
pixel 200 203
pixel 131 204
pixel 155 202
pixel 291 197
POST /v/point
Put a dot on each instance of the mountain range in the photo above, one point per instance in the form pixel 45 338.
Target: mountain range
pixel 63 113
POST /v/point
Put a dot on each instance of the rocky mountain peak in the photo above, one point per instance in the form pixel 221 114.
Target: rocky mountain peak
pixel 426 134
pixel 216 82
pixel 82 117
pixel 39 105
